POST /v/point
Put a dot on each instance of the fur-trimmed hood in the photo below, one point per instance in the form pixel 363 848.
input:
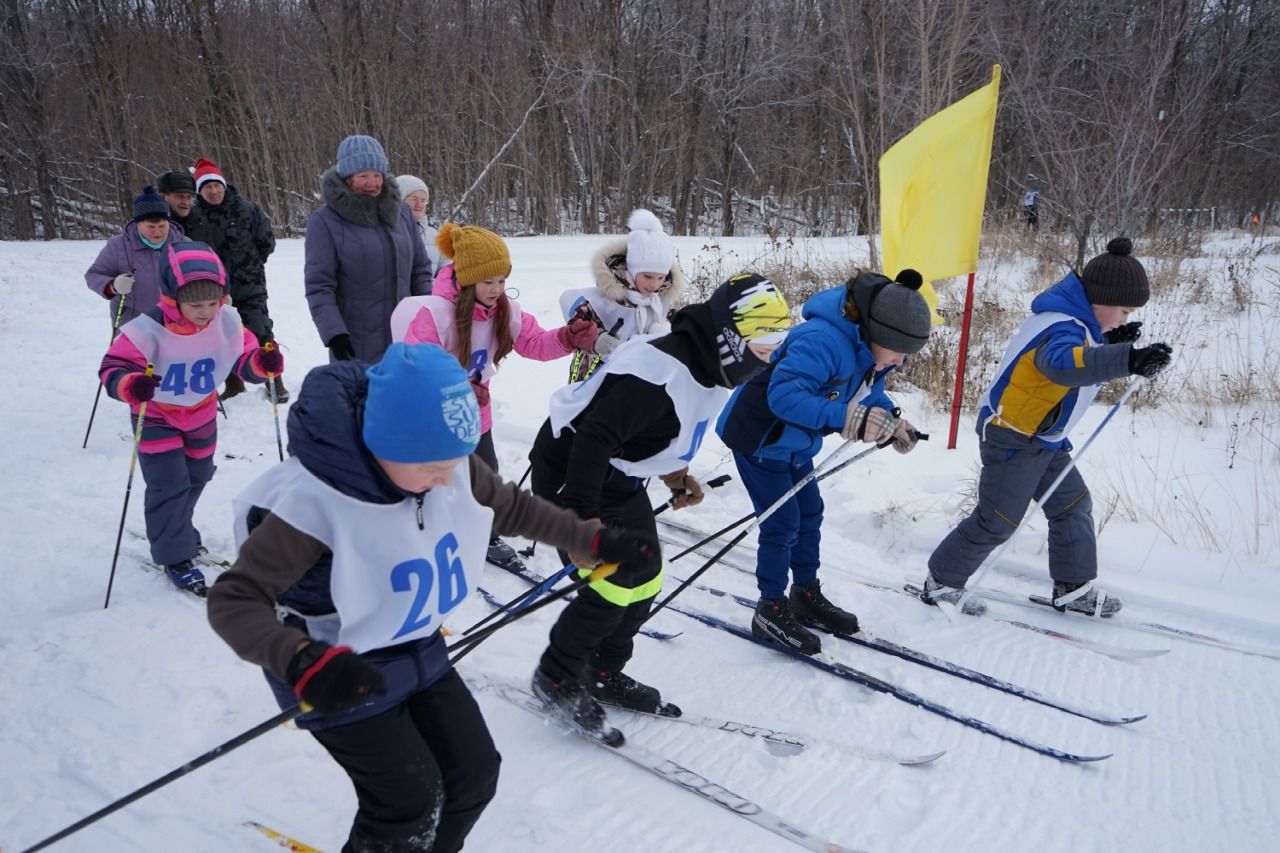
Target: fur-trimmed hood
pixel 609 269
pixel 360 209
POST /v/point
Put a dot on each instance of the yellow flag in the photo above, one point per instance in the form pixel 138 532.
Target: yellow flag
pixel 933 183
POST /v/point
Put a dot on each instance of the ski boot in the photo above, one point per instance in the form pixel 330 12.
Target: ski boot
pixel 232 387
pixel 812 607
pixel 282 393
pixel 188 578
pixel 570 703
pixel 623 691
pixel 1084 598
pixel 935 591
pixel 503 555
pixel 775 623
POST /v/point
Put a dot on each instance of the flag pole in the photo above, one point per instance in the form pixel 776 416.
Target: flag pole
pixel 958 397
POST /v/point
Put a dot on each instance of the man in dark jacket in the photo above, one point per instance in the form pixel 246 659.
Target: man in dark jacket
pixel 240 233
pixel 179 191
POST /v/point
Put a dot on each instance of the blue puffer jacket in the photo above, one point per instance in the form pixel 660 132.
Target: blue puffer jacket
pixel 785 412
pixel 325 423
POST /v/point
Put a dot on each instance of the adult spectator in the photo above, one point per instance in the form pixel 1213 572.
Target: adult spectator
pixel 127 270
pixel 240 233
pixel 363 253
pixel 415 193
pixel 179 191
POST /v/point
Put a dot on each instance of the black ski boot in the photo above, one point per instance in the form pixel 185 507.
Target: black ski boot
pixel 503 555
pixel 572 704
pixel 935 591
pixel 623 691
pixel 775 622
pixel 812 607
pixel 188 578
pixel 1084 598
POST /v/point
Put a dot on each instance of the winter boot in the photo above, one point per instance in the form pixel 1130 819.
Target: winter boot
pixel 572 704
pixel 233 386
pixel 812 607
pixel 501 554
pixel 775 623
pixel 282 393
pixel 623 691
pixel 1084 598
pixel 935 591
pixel 188 578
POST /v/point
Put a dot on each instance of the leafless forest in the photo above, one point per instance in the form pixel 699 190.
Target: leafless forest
pixel 561 116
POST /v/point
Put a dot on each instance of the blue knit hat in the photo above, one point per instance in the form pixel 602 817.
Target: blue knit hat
pixel 150 205
pixel 361 154
pixel 420 406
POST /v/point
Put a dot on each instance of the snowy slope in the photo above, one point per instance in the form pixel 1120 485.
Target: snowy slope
pixel 94 703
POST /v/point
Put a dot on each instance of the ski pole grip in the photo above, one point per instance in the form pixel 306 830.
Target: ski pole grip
pixel 602 572
pixel 919 436
pixel 717 482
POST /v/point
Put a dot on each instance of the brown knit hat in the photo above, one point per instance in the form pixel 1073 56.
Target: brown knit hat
pixel 200 291
pixel 1116 278
pixel 477 253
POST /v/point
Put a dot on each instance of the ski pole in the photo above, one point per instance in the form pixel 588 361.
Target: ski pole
pixel 713 483
pixel 523 599
pixel 217 752
pixel 115 327
pixel 271 392
pixel 464 646
pixel 524 476
pixel 133 461
pixel 1037 504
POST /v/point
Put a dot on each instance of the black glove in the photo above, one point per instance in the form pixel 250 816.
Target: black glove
pixel 332 678
pixel 628 547
pixel 340 346
pixel 1148 361
pixel 1126 334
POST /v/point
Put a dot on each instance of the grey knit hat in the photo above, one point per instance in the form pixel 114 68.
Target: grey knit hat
pixel 1116 277
pixel 361 154
pixel 201 290
pixel 894 314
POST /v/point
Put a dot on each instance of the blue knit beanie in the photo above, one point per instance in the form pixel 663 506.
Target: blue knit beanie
pixel 361 154
pixel 150 205
pixel 420 406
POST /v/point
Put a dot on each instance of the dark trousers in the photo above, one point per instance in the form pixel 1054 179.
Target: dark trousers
pixel 174 484
pixel 592 631
pixel 790 538
pixel 254 316
pixel 423 771
pixel 485 450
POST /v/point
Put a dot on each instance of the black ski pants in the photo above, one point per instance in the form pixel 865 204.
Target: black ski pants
pixel 423 771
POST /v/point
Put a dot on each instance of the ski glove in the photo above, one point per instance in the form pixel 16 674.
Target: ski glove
pixel 1126 334
pixel 269 363
pixel 905 437
pixel 633 549
pixel 578 334
pixel 332 678
pixel 868 423
pixel 1148 361
pixel 605 345
pixel 137 387
pixel 340 347
pixel 685 489
pixel 121 285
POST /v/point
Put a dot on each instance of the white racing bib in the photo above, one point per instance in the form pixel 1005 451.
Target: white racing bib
pixel 189 366
pixel 391 582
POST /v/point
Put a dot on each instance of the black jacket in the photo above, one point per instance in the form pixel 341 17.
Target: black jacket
pixel 240 233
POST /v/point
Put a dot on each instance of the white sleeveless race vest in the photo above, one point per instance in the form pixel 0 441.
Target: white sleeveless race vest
pixel 442 312
pixel 189 366
pixel 391 581
pixel 1032 329
pixel 696 405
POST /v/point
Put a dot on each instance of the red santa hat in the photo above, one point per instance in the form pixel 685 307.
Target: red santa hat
pixel 206 170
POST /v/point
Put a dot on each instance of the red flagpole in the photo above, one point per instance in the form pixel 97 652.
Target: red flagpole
pixel 958 396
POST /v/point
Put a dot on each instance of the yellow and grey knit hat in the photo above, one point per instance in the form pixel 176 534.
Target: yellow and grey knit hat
pixel 477 253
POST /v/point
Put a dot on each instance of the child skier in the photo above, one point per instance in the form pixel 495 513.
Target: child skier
pixel 470 315
pixel 368 537
pixel 827 377
pixel 638 279
pixel 1076 338
pixel 194 338
pixel 643 414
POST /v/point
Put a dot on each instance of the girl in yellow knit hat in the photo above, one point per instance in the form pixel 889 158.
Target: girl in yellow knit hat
pixel 470 315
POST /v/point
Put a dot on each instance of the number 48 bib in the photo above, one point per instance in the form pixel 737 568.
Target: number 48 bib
pixel 189 366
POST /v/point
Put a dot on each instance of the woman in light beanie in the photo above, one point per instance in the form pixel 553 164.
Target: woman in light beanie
pixel 415 194
pixel 363 253
pixel 470 315
pixel 637 282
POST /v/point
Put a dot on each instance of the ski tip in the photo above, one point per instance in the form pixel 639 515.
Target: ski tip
pixel 1123 721
pixel 921 760
pixel 1089 759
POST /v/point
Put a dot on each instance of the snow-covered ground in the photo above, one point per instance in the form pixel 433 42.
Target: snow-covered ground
pixel 94 702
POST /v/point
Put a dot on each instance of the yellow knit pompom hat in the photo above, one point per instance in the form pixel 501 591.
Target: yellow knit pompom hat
pixel 477 253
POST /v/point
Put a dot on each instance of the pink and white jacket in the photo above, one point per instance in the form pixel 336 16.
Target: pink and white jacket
pixel 430 320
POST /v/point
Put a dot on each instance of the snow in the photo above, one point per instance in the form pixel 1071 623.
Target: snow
pixel 96 703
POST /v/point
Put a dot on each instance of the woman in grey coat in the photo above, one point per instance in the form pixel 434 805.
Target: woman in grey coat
pixel 363 253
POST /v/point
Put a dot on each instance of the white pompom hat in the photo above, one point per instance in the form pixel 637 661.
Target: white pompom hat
pixel 649 249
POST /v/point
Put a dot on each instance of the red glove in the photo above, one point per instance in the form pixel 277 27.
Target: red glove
pixel 268 362
pixel 482 392
pixel 137 387
pixel 578 334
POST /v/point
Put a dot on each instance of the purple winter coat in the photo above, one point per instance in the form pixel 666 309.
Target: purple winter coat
pixel 363 255
pixel 127 253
